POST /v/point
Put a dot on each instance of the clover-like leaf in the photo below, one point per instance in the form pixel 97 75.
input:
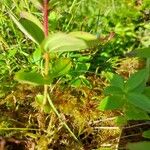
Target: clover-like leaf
pixel 139 100
pixel 136 80
pixel 112 102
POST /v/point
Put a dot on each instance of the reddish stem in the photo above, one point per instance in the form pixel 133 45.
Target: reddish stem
pixel 45 12
pixel 45 25
pixel 46 55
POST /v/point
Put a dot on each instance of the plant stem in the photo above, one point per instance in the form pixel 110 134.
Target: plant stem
pixel 46 55
pixel 21 129
pixel 46 70
pixel 45 13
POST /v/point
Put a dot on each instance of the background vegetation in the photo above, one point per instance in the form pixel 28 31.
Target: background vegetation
pixel 78 95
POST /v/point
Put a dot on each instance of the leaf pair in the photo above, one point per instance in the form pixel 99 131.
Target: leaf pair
pixel 57 42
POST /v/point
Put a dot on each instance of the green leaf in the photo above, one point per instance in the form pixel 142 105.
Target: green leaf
pixel 121 121
pixel 86 82
pixel 76 82
pixel 84 35
pixel 133 113
pixel 37 55
pixel 117 81
pixel 61 67
pixel 90 39
pixel 33 26
pixel 146 92
pixel 136 80
pixel 32 78
pixel 139 100
pixel 144 52
pixel 146 134
pixel 111 103
pixel 110 90
pixel 19 25
pixel 140 88
pixel 61 42
pixel 30 26
pixel 47 108
pixel 82 67
pixel 138 146
pixel 39 99
pixel 32 18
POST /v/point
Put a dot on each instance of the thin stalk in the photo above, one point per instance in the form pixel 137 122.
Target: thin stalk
pixel 46 55
pixel 60 118
pixel 45 13
pixel 27 5
pixel 46 70
pixel 72 16
pixel 21 129
pixel 73 4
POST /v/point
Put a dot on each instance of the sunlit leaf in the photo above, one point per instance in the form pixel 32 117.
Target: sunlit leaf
pixel 60 42
pixel 90 39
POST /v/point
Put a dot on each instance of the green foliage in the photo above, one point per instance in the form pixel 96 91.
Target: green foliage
pixel 30 28
pixel 60 67
pixel 112 102
pixel 146 134
pixel 139 100
pixel 37 4
pixel 91 40
pixel 32 78
pixel 138 146
pixel 136 79
pixel 39 99
pixel 134 113
pixel 126 95
pixel 117 81
pixel 61 42
pixel 144 52
pixel 127 20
